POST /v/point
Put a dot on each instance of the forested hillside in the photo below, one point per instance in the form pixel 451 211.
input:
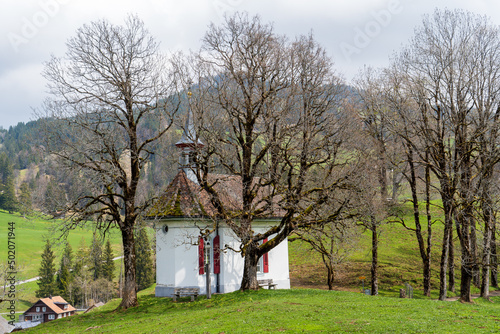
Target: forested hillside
pixel 30 180
pixel 21 142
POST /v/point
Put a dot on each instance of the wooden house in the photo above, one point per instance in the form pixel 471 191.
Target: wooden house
pixel 47 309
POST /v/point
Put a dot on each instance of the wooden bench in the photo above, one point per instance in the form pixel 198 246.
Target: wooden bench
pixel 267 282
pixel 181 292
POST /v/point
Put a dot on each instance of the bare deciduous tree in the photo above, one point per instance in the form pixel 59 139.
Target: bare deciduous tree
pixel 451 68
pixel 388 86
pixel 374 111
pixel 111 81
pixel 334 240
pixel 269 112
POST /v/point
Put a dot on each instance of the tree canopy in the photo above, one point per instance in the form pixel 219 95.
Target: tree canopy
pixel 110 82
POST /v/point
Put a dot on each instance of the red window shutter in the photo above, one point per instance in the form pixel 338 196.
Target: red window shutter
pixel 216 243
pixel 201 256
pixel 265 260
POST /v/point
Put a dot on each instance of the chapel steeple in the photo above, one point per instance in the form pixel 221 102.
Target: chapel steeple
pixel 188 144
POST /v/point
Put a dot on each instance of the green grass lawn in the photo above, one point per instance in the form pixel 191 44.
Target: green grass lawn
pixel 297 310
pixel 294 311
pixel 30 235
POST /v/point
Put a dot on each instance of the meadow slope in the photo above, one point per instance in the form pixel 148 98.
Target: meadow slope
pixel 292 311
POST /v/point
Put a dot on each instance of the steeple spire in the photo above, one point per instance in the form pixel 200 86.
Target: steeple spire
pixel 188 144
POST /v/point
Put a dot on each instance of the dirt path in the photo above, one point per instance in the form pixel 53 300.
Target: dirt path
pixel 474 296
pixel 36 278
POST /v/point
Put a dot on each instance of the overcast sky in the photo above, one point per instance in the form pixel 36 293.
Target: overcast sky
pixel 355 32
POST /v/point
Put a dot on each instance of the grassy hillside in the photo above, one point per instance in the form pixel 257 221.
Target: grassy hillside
pixel 30 239
pixel 399 260
pixel 30 236
pixel 298 310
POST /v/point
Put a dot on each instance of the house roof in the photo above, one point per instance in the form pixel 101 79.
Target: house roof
pixel 181 199
pixel 184 198
pixel 51 304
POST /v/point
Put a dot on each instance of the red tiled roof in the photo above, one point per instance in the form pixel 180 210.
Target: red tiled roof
pixel 51 303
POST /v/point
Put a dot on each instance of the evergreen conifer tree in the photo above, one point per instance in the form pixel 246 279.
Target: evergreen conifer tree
pixel 64 276
pixel 24 203
pixel 80 273
pixel 7 193
pixel 108 269
pixel 46 284
pixel 144 262
pixel 95 253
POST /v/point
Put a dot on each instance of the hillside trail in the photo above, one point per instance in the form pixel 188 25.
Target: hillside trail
pixel 36 278
pixel 494 293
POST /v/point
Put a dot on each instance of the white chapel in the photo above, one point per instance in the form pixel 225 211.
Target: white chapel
pixel 183 215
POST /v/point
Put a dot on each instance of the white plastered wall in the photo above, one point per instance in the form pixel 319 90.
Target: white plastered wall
pixel 177 260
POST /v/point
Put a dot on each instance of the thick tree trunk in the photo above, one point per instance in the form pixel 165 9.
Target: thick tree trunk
pixel 494 258
pixel 427 279
pixel 129 293
pixel 476 278
pixel 374 268
pixel 451 263
pixel 327 261
pixel 489 222
pixel 249 280
pixel 468 262
pixel 444 263
pixel 465 216
pixel 427 262
pixel 485 282
pixel 424 251
pixel 330 278
pixel 446 247
pixel 465 283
